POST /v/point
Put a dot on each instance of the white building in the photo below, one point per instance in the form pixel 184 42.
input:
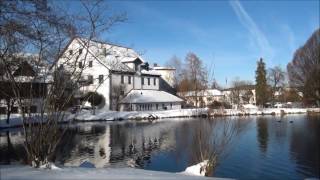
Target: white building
pixel 115 72
pixel 167 73
pixel 203 98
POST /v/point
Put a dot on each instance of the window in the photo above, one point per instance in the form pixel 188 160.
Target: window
pixel 80 51
pixel 157 106
pixel 90 79
pixel 149 81
pixel 154 81
pixel 90 63
pixel 129 79
pixel 142 80
pixel 70 52
pixel 104 51
pixel 122 79
pixel 122 92
pixel 80 64
pixel 171 105
pixel 100 79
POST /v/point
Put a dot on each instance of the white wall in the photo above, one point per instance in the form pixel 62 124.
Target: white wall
pixel 116 81
pixel 71 61
pixel 167 75
pixel 151 86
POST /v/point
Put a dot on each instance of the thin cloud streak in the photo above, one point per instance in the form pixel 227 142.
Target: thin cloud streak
pixel 260 39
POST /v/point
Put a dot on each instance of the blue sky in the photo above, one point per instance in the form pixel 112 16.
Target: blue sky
pixel 231 35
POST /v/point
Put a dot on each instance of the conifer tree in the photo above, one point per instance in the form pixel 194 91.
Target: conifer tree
pixel 261 84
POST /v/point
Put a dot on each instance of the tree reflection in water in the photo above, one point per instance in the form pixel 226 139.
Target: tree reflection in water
pixel 262 133
pixel 212 139
pixel 174 145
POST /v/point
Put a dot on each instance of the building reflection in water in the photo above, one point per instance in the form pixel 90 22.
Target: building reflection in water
pixel 170 145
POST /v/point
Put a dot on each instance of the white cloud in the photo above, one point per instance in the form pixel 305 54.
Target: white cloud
pixel 290 37
pixel 265 50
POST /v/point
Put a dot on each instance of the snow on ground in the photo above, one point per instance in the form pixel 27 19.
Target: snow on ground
pixel 115 115
pixel 197 170
pixel 265 111
pixel 25 172
pixel 106 115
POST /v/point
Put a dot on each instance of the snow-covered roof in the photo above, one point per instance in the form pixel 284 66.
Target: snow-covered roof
pixel 129 59
pixel 209 92
pixel 149 96
pixel 163 68
pixel 116 65
pixel 214 92
pixel 114 56
pixel 150 72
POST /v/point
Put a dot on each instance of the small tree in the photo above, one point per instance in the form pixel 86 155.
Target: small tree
pixel 261 84
pixel 117 93
pixel 276 78
pixel 240 91
pixel 94 99
pixel 247 95
pixel 197 75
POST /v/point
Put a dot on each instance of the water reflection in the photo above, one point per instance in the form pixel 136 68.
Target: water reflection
pixel 263 134
pixel 290 150
pixel 305 145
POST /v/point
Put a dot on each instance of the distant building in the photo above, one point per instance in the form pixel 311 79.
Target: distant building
pixel 203 98
pixel 117 73
pixel 247 95
pixel 167 80
pixel 29 77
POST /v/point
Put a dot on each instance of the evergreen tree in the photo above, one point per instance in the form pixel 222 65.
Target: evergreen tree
pixel 261 84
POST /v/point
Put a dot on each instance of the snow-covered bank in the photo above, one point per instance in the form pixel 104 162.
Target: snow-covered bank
pixel 26 172
pixel 197 170
pixel 105 115
pixel 136 115
pixel 265 111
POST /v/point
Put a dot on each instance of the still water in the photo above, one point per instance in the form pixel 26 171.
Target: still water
pixel 266 147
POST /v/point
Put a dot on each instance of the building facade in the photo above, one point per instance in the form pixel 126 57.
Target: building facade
pixel 112 71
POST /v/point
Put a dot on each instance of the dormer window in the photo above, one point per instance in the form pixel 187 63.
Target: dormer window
pixel 90 63
pixel 80 65
pixel 70 52
pixel 80 51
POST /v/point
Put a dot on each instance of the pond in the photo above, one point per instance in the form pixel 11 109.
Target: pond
pixel 258 147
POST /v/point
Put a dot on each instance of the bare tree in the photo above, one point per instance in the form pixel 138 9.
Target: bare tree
pixel 176 63
pixel 43 29
pixel 240 91
pixel 212 141
pixel 276 78
pixel 117 94
pixel 196 74
pixel 304 69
